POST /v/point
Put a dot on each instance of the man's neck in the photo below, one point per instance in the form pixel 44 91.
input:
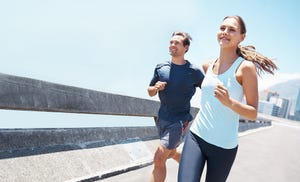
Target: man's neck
pixel 178 60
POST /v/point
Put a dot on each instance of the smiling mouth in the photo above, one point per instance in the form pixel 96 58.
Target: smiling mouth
pixel 224 39
pixel 172 50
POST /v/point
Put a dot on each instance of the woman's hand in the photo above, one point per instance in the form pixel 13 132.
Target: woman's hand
pixel 222 94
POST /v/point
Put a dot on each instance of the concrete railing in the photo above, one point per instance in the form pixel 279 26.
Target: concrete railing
pixel 74 154
pixel 49 154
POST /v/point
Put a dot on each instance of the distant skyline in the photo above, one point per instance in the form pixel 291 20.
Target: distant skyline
pixel 113 46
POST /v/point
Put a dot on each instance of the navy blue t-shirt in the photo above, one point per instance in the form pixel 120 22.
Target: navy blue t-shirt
pixel 182 81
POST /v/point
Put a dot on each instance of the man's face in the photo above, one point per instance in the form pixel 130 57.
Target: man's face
pixel 176 47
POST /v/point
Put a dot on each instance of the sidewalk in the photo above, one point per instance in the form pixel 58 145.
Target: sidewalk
pixel 266 154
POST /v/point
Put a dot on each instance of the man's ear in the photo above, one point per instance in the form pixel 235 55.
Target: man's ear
pixel 186 48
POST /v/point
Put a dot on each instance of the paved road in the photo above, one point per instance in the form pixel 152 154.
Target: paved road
pixel 268 154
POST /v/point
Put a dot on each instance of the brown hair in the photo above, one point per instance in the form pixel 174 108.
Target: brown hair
pixel 262 63
pixel 186 38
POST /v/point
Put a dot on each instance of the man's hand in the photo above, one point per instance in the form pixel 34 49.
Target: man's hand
pixel 160 85
pixel 185 126
pixel 152 90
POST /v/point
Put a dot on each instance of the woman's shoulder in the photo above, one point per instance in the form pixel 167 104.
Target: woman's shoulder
pixel 247 66
pixel 246 70
pixel 206 65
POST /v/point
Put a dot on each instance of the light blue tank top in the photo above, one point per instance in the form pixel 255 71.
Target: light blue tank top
pixel 216 123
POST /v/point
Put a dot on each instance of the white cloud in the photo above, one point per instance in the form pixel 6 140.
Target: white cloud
pixel 266 81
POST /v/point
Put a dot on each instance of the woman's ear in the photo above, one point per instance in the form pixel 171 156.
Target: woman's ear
pixel 243 36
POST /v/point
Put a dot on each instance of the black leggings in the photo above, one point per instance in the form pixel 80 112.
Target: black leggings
pixel 194 155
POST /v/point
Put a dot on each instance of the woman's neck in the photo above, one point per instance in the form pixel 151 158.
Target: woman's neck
pixel 225 60
pixel 227 56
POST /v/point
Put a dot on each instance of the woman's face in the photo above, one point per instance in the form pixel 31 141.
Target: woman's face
pixel 229 34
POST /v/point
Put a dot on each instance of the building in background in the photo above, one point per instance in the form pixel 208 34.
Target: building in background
pixel 297 108
pixel 279 107
pixel 265 107
pixel 272 95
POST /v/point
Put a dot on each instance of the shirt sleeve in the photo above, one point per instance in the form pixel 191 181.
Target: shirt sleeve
pixel 200 77
pixel 155 77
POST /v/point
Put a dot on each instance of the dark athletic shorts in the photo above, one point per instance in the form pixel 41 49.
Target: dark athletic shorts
pixel 171 133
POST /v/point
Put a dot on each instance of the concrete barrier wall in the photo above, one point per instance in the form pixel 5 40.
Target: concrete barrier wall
pixel 25 142
pixel 20 93
pixel 73 154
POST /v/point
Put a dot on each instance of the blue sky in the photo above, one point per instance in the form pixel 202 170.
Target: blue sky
pixel 113 46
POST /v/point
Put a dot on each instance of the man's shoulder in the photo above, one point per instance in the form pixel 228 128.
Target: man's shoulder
pixel 196 71
pixel 160 65
pixel 194 67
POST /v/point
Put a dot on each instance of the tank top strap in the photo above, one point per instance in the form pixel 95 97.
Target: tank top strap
pixel 237 63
